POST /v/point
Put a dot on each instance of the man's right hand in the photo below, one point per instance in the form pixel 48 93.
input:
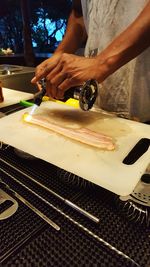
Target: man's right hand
pixel 46 67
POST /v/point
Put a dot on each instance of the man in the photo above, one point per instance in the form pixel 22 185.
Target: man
pixel 117 37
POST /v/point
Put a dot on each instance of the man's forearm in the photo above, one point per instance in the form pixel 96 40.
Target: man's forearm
pixel 130 43
pixel 75 35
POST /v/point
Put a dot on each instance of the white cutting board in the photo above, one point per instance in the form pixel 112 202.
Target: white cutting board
pixel 104 168
pixel 13 96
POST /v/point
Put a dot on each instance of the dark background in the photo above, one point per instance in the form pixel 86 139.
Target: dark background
pixel 31 29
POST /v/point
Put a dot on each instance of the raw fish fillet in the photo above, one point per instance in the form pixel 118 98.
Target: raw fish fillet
pixel 83 135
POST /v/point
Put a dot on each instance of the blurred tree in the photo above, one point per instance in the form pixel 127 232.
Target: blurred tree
pixel 28 49
pixel 52 17
pixel 24 22
pixel 11 26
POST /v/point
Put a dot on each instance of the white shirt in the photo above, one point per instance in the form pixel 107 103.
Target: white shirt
pixel 127 91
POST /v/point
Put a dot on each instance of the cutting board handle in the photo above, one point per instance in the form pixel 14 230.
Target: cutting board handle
pixel 137 151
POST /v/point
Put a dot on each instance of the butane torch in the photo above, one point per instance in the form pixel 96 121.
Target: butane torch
pixel 86 94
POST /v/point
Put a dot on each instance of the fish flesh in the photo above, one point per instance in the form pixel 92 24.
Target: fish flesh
pixel 82 135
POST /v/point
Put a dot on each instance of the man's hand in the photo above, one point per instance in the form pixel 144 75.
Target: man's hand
pixel 68 71
pixel 63 71
pixel 45 67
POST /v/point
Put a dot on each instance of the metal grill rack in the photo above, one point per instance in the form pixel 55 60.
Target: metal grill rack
pixel 27 240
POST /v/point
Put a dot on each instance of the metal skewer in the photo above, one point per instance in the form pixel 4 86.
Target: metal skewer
pixel 68 202
pixel 29 205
